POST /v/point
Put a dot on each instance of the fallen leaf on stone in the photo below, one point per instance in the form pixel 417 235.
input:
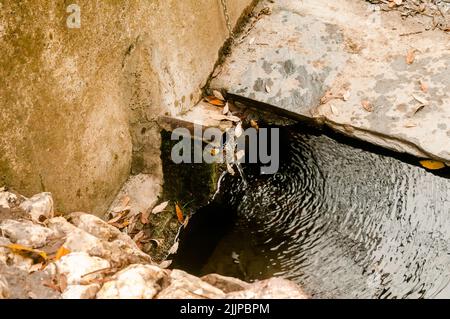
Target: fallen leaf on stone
pixel 173 250
pixel 179 212
pixel 268 88
pixel 432 165
pixel 36 267
pixel 62 251
pixel 254 124
pixel 226 109
pixel 121 225
pixel 218 95
pixel 36 255
pixel 117 218
pixel 410 56
pixel 420 99
pixel 186 221
pixel 214 101
pixel 410 124
pixel 145 217
pixel 327 97
pixel 160 208
pixel 420 108
pixel 139 236
pixel 165 264
pixel 221 117
pixel 423 86
pixel 367 105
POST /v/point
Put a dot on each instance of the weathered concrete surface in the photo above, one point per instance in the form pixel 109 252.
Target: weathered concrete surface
pixel 327 60
pixel 78 105
pixel 100 261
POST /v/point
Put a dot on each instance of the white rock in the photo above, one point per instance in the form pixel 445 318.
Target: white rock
pixel 4 288
pixel 81 291
pixel 76 266
pixel 8 200
pixel 99 228
pixel 39 205
pixel 134 282
pixel 119 249
pixel 226 284
pixel 26 233
pixel 274 288
pixel 185 286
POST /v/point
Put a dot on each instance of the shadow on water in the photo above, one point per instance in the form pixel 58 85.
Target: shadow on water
pixel 341 218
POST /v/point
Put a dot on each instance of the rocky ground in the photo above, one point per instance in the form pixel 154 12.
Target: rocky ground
pixel 80 256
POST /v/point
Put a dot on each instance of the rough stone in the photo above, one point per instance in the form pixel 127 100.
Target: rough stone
pixel 78 105
pixel 226 284
pixel 4 288
pixel 134 282
pixel 39 207
pixel 185 286
pixel 80 268
pixel 325 61
pixel 274 288
pixel 26 233
pixel 81 291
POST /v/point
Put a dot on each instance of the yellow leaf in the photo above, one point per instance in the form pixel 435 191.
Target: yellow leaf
pixel 215 101
pixel 62 251
pixel 37 255
pixel 179 213
pixel 432 165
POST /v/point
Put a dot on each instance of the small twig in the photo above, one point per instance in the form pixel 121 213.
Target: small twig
pixel 410 33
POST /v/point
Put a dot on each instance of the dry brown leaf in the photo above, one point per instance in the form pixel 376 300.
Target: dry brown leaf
pixel 139 236
pixel 173 250
pixel 410 56
pixel 186 221
pixel 62 251
pixel 432 165
pixel 367 105
pixel 145 217
pixel 179 212
pixel 221 117
pixel 420 99
pixel 218 95
pixel 226 109
pixel 254 124
pixel 214 101
pixel 117 218
pixel 160 208
pixel 36 255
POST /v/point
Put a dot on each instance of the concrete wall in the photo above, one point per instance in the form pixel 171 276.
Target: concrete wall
pixel 78 105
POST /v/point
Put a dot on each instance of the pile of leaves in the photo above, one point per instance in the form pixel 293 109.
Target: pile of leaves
pixel 438 11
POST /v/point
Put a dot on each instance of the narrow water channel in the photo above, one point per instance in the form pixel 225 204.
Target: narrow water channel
pixel 342 220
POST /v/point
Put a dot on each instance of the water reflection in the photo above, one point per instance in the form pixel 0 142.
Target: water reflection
pixel 341 221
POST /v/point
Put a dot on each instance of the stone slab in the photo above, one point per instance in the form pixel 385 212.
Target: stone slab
pixel 326 60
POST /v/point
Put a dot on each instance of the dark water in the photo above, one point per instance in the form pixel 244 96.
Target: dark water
pixel 342 221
